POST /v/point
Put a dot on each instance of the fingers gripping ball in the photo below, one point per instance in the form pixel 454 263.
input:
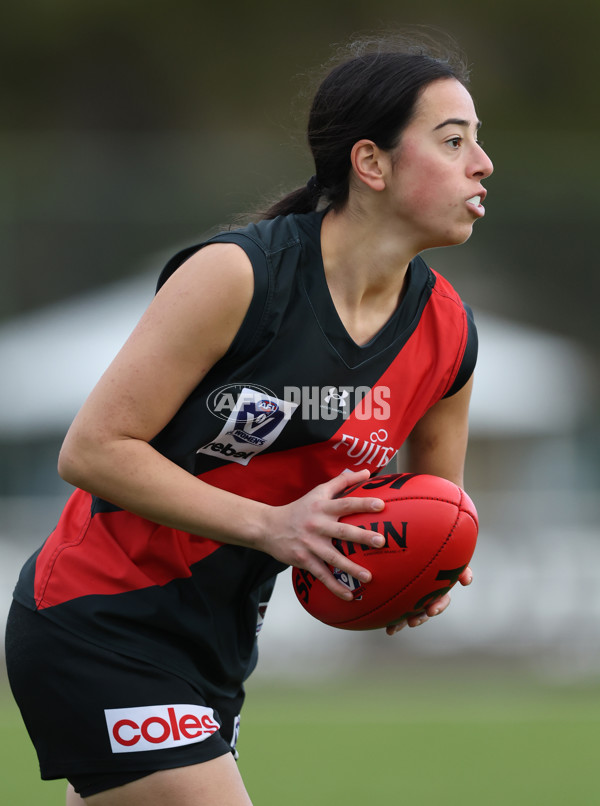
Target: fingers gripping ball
pixel 430 527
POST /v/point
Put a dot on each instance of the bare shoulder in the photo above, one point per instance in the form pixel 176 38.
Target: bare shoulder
pixel 186 329
pixel 438 442
pixel 220 270
pixel 229 258
pixel 204 302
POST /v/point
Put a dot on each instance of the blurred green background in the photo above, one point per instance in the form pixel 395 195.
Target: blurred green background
pixel 131 129
pixel 431 737
pixel 128 127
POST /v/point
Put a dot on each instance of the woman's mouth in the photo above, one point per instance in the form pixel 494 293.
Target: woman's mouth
pixel 475 203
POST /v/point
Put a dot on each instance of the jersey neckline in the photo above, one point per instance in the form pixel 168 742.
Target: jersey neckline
pixel 419 283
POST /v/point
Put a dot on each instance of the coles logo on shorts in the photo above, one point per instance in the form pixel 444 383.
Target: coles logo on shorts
pixel 152 727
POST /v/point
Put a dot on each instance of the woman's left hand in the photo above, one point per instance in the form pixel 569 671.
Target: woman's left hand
pixel 434 609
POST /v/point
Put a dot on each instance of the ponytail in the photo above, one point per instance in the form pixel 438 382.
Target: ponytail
pixel 303 200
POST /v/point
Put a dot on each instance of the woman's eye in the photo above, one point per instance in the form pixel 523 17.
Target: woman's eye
pixel 454 142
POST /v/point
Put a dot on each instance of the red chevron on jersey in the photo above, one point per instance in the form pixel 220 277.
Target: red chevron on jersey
pixel 411 363
pixel 417 378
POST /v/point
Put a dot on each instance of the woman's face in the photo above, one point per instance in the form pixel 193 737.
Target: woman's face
pixel 438 167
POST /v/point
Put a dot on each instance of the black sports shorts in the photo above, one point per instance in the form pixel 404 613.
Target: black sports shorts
pixel 101 719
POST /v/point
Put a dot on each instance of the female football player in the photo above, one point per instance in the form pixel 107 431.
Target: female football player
pixel 202 464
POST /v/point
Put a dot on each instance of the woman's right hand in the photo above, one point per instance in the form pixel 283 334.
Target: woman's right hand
pixel 301 533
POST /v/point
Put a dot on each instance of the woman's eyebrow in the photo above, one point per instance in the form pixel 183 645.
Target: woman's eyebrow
pixel 457 122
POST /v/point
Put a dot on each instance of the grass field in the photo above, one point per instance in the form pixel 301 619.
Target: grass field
pixel 470 740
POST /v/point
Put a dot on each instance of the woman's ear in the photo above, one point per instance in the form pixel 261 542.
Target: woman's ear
pixel 370 164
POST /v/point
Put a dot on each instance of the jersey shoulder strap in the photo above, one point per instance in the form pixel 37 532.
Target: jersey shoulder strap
pixel 273 248
pixel 469 343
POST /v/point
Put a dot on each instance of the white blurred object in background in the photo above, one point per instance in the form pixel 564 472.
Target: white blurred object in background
pixel 535 589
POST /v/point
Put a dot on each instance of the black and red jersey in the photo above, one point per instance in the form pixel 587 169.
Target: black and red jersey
pixel 293 402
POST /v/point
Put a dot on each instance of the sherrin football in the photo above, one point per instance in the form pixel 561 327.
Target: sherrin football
pixel 430 527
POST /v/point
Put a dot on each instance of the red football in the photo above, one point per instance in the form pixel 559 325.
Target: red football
pixel 430 526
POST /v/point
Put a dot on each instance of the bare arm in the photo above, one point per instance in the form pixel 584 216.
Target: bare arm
pixel 187 328
pixel 437 445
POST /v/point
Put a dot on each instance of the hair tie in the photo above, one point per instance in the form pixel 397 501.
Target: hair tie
pixel 313 186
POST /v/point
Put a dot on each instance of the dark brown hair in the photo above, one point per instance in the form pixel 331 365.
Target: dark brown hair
pixel 370 94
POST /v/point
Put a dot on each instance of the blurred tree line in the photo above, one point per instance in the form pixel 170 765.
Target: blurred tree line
pixel 129 129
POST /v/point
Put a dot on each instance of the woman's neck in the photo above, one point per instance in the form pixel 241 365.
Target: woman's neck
pixel 365 270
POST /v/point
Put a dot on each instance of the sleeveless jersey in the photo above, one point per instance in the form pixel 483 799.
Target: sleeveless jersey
pixel 293 402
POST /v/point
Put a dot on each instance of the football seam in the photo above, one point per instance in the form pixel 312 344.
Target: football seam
pixel 420 498
pixel 421 572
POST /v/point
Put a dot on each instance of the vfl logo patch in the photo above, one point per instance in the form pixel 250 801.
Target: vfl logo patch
pixel 253 425
pixel 151 727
